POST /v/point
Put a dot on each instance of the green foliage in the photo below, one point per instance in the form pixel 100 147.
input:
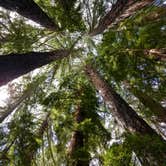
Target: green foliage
pixel 148 149
pixel 65 13
pixel 25 142
pixel 122 52
pixel 117 155
pixel 74 90
pixel 17 36
pixel 80 154
pixel 143 144
pixel 63 87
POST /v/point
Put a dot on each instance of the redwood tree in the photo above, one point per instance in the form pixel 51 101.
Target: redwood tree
pixel 30 10
pixel 77 141
pixel 121 111
pixel 119 11
pixel 127 118
pixel 15 65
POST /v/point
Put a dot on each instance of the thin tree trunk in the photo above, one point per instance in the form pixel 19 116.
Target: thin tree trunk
pixel 119 11
pixel 42 129
pixel 30 10
pixel 15 65
pixel 43 126
pixel 77 142
pixel 11 108
pixel 154 106
pixel 14 106
pixel 158 54
pixel 3 154
pixel 121 111
pixel 160 130
pixel 31 154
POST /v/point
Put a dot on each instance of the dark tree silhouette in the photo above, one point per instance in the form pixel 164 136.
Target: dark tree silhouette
pixel 15 65
pixel 30 10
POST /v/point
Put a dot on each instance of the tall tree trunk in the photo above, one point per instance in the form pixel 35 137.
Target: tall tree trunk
pixel 30 10
pixel 77 142
pixel 121 111
pixel 127 117
pixel 154 106
pixel 15 65
pixel 119 11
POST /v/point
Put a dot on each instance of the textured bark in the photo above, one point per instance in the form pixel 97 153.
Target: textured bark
pixel 128 118
pixel 119 11
pixel 15 65
pixel 121 111
pixel 30 10
pixel 154 106
pixel 77 141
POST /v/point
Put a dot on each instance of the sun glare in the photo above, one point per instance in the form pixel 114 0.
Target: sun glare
pixel 3 95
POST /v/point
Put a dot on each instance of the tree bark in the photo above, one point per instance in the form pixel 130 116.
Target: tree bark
pixel 126 116
pixel 121 111
pixel 15 65
pixel 30 10
pixel 119 11
pixel 77 142
pixel 154 106
pixel 43 126
pixel 157 54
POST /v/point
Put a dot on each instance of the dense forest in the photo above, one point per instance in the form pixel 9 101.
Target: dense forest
pixel 85 82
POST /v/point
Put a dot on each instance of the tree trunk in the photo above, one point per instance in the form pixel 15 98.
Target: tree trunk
pixel 128 118
pixel 157 54
pixel 30 10
pixel 120 110
pixel 11 108
pixel 39 135
pixel 17 103
pixel 119 11
pixel 43 126
pixel 15 65
pixel 77 142
pixel 154 106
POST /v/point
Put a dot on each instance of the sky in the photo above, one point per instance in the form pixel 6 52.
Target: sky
pixel 3 95
pixel 3 89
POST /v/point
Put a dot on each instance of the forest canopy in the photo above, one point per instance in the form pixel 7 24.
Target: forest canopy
pixel 82 82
